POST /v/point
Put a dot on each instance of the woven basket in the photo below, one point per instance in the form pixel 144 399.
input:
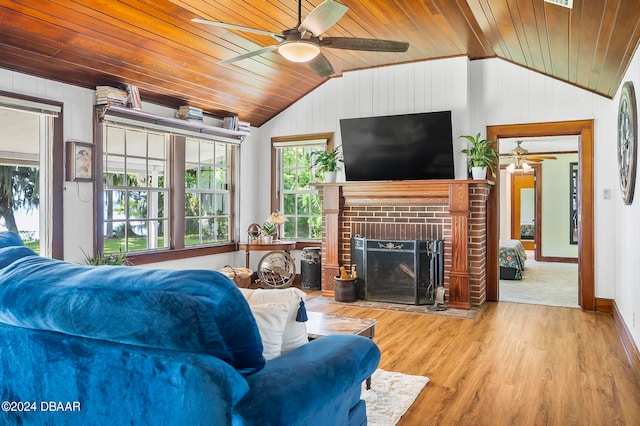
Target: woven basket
pixel 240 276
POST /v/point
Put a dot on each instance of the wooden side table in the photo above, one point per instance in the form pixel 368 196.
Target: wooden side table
pixel 258 246
pixel 321 324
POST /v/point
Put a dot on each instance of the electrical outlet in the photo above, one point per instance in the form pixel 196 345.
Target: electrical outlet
pixel 606 194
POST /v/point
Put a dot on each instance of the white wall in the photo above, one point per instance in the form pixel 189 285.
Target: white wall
pixel 555 207
pixel 623 224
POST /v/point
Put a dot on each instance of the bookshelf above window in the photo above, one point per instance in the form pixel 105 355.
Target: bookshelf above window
pixel 134 117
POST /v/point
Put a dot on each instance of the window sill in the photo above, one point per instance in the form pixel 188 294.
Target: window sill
pixel 164 256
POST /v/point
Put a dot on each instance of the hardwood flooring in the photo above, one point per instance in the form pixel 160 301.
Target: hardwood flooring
pixel 514 364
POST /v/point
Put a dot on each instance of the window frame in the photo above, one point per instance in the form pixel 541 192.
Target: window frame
pixel 178 131
pixel 276 172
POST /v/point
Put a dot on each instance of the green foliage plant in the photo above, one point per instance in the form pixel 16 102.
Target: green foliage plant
pixel 269 228
pixel 327 161
pixel 106 259
pixel 481 153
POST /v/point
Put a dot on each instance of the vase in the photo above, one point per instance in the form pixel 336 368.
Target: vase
pixel 267 239
pixel 479 173
pixel 345 289
pixel 330 177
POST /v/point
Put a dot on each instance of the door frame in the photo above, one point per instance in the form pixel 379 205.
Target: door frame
pixel 586 258
pixel 515 208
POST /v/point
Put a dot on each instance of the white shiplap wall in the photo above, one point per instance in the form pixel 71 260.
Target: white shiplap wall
pixel 624 225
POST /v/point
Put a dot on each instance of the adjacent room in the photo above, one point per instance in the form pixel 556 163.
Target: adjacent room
pixel 319 212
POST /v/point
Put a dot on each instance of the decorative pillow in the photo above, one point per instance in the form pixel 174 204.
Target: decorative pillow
pixel 295 333
pixel 271 319
pixel 10 239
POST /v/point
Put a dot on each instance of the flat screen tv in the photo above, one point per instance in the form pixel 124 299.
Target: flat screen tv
pixel 398 147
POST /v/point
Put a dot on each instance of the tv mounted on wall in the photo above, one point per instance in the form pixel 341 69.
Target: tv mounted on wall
pixel 398 147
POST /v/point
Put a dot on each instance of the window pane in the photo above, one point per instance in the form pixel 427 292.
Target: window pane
pixel 221 178
pixel 316 227
pixel 303 227
pixel 207 153
pixel 192 232
pixel 156 173
pixel 157 146
pixel 316 204
pixel 208 205
pixel 289 204
pixel 191 176
pixel 192 151
pixel 114 143
pixel 136 142
pixel 222 203
pixel 138 204
pixel 208 227
pixel 290 228
pixel 206 177
pixel 137 236
pixel 303 204
pixel 191 204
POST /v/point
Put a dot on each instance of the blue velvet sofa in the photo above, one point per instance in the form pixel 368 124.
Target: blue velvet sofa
pixel 83 345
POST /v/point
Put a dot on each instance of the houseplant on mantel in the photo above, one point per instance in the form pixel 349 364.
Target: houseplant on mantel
pixel 327 162
pixel 481 155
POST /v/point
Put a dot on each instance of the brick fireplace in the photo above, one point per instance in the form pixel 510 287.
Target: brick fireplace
pixel 451 210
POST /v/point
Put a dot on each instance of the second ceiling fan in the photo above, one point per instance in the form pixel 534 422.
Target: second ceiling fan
pixel 521 156
pixel 303 43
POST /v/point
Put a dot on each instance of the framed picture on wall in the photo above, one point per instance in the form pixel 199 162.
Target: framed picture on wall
pixel 573 203
pixel 79 161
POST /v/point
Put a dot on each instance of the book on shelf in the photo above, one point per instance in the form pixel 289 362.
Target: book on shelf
pixel 190 113
pixel 107 95
pixel 133 94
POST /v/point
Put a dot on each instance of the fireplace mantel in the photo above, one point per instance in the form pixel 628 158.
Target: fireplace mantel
pixel 460 214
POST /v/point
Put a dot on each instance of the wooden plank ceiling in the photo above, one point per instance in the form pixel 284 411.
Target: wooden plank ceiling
pixel 154 45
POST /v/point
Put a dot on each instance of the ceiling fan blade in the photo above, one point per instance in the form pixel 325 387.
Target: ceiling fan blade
pixel 368 44
pixel 539 157
pixel 323 17
pixel 278 37
pixel 321 66
pixel 250 54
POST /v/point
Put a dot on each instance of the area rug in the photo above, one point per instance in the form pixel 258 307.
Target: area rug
pixel 390 396
pixel 543 283
pixel 416 309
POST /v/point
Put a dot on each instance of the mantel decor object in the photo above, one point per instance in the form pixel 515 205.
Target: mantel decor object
pixel 79 163
pixel 627 141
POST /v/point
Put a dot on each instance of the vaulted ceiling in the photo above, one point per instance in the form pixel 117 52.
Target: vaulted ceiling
pixel 154 44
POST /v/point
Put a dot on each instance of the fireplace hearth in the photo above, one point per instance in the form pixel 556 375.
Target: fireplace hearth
pixel 398 271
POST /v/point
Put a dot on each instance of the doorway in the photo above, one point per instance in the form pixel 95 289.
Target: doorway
pixel 583 129
pixel 523 209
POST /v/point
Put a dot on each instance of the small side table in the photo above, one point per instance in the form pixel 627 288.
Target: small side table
pixel 321 324
pixel 258 246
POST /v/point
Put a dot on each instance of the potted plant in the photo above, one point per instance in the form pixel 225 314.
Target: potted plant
pixel 481 155
pixel 268 231
pixel 327 162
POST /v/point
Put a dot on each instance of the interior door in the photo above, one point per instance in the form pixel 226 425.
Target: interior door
pixel 523 209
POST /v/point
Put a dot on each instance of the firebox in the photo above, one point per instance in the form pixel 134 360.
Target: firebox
pixel 398 271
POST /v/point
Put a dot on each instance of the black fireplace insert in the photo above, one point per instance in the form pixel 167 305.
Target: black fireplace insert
pixel 398 271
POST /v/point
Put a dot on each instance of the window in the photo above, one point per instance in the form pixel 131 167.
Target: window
pixel 294 193
pixel 207 195
pixel 30 189
pixel 163 188
pixel 136 189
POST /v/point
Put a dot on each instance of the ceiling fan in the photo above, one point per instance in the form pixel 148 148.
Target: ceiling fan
pixel 521 157
pixel 303 43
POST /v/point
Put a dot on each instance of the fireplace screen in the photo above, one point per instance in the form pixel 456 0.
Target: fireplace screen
pixel 398 271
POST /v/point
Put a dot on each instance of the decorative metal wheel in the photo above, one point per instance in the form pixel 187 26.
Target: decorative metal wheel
pixel 276 269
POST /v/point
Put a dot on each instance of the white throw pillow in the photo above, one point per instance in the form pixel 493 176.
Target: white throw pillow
pixel 295 333
pixel 271 319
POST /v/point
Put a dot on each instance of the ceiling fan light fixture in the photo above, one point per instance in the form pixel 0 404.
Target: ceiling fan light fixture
pixel 299 50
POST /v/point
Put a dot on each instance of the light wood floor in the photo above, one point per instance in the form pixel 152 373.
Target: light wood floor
pixel 515 364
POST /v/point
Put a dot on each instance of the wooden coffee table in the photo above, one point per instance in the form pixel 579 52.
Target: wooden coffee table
pixel 321 324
